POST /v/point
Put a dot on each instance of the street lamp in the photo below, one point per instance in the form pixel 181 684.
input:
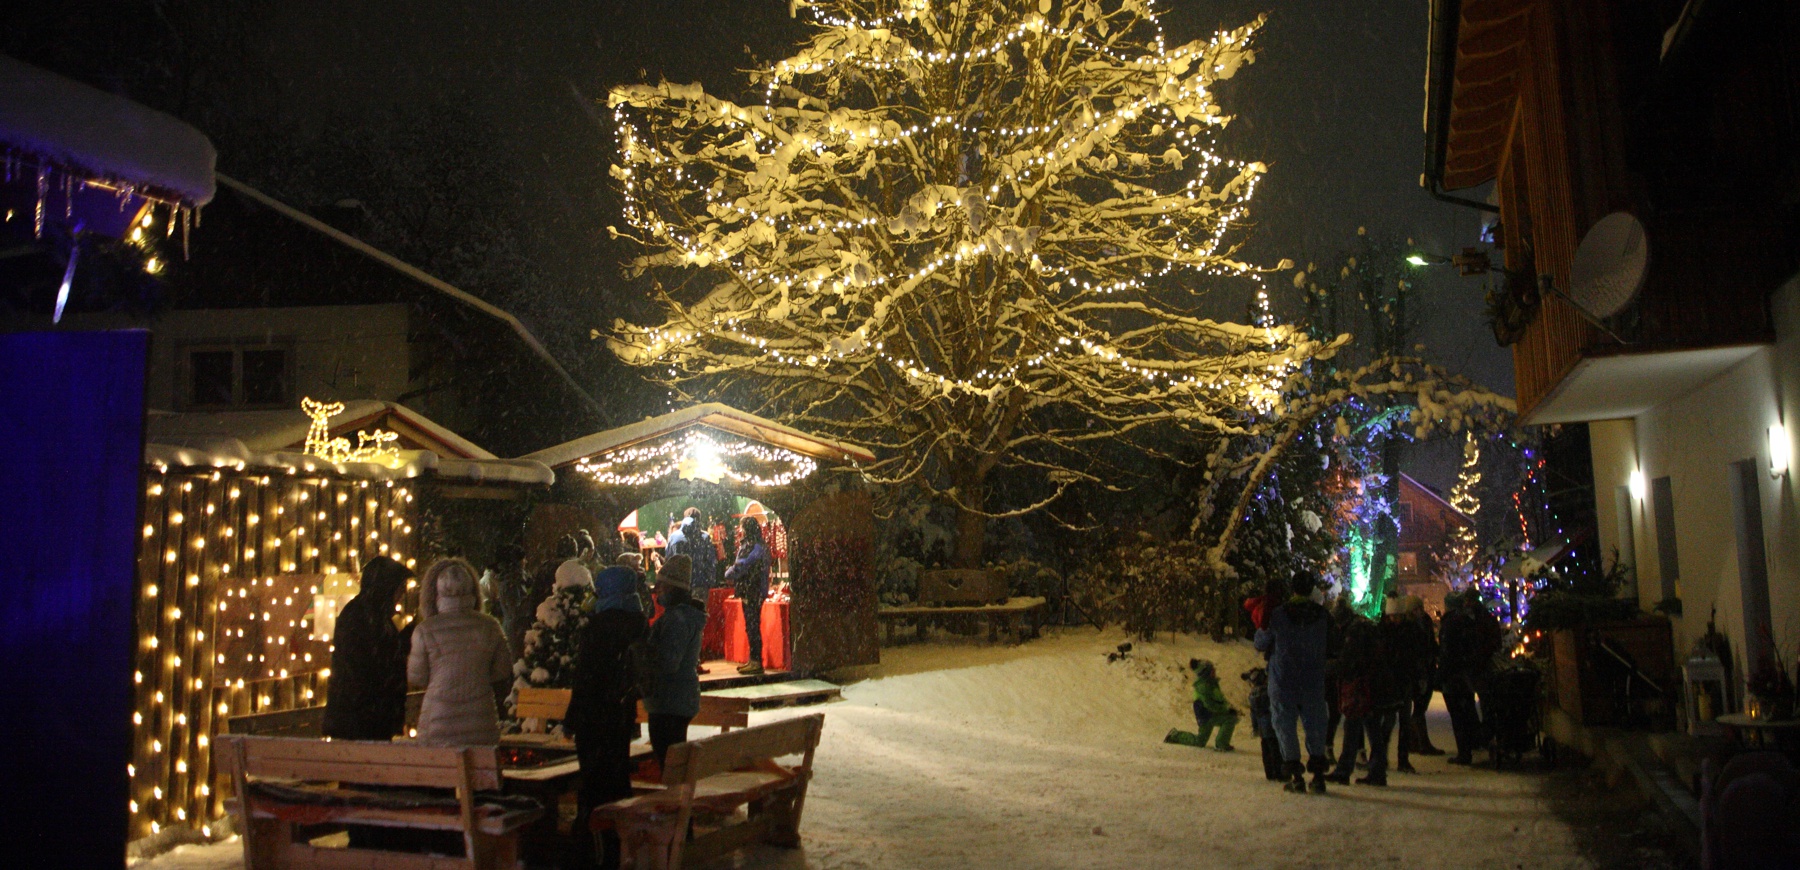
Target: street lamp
pixel 1471 262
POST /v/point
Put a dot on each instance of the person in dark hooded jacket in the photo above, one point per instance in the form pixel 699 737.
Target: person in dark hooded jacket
pixel 1295 643
pixel 366 699
pixel 602 713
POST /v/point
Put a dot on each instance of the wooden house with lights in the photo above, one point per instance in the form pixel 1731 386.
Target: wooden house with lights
pixel 1428 524
pixel 728 462
pixel 251 543
pixel 1642 165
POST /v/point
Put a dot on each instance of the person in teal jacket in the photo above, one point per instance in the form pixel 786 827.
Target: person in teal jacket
pixel 1211 710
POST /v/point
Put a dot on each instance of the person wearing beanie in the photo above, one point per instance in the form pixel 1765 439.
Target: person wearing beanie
pixel 366 699
pixel 750 574
pixel 460 657
pixel 603 702
pixel 675 642
pixel 1295 643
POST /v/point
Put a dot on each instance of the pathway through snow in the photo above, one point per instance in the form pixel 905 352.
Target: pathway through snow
pixel 1046 755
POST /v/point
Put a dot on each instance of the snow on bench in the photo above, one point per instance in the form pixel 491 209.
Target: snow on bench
pixel 715 776
pixel 284 782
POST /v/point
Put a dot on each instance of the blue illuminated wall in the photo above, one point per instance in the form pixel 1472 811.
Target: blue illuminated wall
pixel 71 452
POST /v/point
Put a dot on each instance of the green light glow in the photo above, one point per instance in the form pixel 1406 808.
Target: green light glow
pixel 1417 260
pixel 1361 551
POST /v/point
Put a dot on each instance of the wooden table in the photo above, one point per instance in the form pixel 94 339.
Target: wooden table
pixel 1015 614
pixel 1779 734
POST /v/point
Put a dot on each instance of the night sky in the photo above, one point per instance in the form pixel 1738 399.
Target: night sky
pixel 473 129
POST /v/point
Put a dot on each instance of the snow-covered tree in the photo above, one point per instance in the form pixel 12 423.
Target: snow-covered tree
pixel 966 233
pixel 553 640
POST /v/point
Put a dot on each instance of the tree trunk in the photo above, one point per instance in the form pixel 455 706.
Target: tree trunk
pixel 971 523
pixel 971 539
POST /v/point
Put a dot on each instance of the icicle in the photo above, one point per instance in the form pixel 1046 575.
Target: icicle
pixel 187 223
pixel 68 197
pixel 62 293
pixel 43 190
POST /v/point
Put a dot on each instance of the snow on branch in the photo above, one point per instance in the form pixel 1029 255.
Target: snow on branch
pixel 961 232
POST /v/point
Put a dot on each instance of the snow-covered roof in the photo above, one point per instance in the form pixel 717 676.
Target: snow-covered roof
pixel 234 454
pixel 278 430
pixel 717 416
pixel 102 136
pixel 1450 510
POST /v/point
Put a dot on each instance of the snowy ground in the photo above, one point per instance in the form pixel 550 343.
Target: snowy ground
pixel 1046 755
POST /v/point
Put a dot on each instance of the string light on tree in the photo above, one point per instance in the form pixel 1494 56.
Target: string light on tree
pixel 969 234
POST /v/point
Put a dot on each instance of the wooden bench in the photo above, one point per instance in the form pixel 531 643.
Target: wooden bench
pixel 715 776
pixel 1017 615
pixel 282 783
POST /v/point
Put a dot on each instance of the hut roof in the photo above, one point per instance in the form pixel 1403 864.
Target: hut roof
pixel 713 415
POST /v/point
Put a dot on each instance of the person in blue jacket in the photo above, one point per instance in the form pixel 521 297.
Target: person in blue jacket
pixel 675 642
pixel 750 574
pixel 1295 643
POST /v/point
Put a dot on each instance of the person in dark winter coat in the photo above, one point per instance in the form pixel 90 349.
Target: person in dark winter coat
pixel 1262 724
pixel 602 713
pixel 691 540
pixel 1342 614
pixel 750 574
pixel 1370 696
pixel 1471 636
pixel 367 695
pixel 675 643
pixel 1295 642
pixel 1414 651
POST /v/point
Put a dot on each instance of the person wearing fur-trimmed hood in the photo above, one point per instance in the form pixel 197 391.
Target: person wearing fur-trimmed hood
pixel 460 657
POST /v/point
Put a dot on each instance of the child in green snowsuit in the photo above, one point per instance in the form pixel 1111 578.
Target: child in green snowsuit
pixel 1211 710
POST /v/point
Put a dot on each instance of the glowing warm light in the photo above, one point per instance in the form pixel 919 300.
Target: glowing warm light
pixel 1636 484
pixel 1780 450
pixel 377 446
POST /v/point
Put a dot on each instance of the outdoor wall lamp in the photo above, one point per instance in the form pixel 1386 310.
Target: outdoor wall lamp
pixel 1636 484
pixel 1779 450
pixel 1471 262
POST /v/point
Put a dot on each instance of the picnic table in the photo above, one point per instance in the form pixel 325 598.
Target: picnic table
pixel 1016 615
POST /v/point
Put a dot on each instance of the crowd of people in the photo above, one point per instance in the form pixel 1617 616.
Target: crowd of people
pixel 640 640
pixel 1332 671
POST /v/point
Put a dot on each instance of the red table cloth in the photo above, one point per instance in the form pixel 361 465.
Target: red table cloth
pixel 712 637
pixel 774 633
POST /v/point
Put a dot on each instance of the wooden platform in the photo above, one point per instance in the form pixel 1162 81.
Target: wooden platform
pixel 786 694
pixel 1016 615
pixel 722 674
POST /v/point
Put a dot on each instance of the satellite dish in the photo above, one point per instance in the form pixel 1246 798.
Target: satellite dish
pixel 1610 265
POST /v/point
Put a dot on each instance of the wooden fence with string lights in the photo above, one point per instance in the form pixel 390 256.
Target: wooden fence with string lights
pixel 240 575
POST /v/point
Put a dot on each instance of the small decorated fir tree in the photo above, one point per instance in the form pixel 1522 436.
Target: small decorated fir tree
pixel 552 640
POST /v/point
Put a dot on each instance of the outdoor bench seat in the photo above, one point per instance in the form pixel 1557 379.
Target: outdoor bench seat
pixel 284 784
pixel 712 778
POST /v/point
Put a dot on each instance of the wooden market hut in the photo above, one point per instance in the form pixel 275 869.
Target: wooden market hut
pixel 713 454
pixel 249 546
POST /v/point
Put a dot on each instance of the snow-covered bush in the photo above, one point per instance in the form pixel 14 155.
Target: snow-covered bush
pixel 1147 585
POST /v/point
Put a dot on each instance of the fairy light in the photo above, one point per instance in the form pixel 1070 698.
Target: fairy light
pixel 192 674
pixel 1031 156
pixel 378 446
pixel 638 465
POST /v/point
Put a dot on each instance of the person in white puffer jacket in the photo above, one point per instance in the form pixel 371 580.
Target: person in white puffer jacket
pixel 460 657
